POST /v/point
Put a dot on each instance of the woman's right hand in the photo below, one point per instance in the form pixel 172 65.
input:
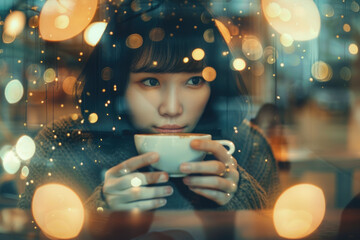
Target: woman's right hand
pixel 126 189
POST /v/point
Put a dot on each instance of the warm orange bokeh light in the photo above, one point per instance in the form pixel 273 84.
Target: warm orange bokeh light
pixel 223 30
pixel 299 211
pixel 14 23
pixel 63 19
pixel 209 74
pixel 298 18
pixel 58 211
pixel 198 54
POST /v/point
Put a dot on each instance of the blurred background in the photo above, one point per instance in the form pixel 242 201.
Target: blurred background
pixel 299 60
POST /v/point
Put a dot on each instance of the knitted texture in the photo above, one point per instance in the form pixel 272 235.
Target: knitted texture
pixel 67 154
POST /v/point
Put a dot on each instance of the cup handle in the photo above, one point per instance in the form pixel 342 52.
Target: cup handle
pixel 229 144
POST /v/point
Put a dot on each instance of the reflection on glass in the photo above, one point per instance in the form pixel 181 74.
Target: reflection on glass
pixel 58 211
pixel 94 32
pixel 298 18
pixel 299 211
pixel 63 19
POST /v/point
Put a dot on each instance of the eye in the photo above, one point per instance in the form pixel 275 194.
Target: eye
pixel 195 81
pixel 150 82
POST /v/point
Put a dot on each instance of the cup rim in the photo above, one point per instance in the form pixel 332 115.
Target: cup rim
pixel 172 135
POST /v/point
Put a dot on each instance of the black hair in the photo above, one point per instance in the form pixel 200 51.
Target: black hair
pixel 166 32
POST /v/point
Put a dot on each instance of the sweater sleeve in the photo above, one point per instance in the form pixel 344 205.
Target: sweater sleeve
pixel 60 158
pixel 259 181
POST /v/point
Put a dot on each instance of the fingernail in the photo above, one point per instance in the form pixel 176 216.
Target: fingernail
pixel 163 178
pixel 169 191
pixel 186 180
pixel 162 202
pixel 185 167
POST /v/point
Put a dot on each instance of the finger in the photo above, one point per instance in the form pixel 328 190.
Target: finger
pixel 136 179
pixel 139 193
pixel 141 205
pixel 210 167
pixel 211 182
pixel 214 147
pixel 219 197
pixel 205 167
pixel 133 164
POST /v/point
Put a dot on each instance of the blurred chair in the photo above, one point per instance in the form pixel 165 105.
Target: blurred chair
pixel 350 220
pixel 268 120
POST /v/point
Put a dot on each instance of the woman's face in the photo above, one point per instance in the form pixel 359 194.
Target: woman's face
pixel 166 102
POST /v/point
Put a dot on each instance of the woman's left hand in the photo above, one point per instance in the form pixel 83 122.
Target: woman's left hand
pixel 220 177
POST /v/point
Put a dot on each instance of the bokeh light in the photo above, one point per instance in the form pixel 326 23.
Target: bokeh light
pixel 157 34
pixel 321 71
pixel 106 73
pixel 345 73
pixel 198 54
pixel 239 64
pixel 134 41
pixel 34 21
pixel 346 27
pixel 94 32
pixel 11 162
pixel 299 211
pixel 63 19
pixel 327 10
pixel 258 69
pixel 25 171
pixel 270 54
pixel 33 72
pixel 209 74
pixel 49 75
pixel 25 147
pixel 286 40
pixel 68 85
pixel 14 91
pixel 58 211
pixel 223 30
pixel 353 49
pixel 8 38
pixel 14 23
pixel 93 118
pixel 209 35
pixel 355 6
pixel 298 18
pixel 62 22
pixel 252 48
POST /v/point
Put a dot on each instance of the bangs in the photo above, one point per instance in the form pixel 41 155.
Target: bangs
pixel 171 55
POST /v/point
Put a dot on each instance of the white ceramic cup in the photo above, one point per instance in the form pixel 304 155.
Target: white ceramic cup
pixel 174 149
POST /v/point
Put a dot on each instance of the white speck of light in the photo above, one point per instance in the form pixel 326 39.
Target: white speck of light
pixel 136 182
pixel 11 162
pixel 14 91
pixel 25 147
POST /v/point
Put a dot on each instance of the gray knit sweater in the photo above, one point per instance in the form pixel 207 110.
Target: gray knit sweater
pixel 68 154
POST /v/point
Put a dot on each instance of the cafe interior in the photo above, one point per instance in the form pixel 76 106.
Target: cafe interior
pixel 299 61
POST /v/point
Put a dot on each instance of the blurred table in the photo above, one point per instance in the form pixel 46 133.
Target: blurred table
pixel 341 163
pixel 174 225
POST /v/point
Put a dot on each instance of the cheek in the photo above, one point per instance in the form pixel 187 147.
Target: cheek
pixel 139 104
pixel 196 102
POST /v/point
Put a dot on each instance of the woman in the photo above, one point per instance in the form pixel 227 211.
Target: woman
pixel 144 76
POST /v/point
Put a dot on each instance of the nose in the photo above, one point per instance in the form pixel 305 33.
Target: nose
pixel 171 105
